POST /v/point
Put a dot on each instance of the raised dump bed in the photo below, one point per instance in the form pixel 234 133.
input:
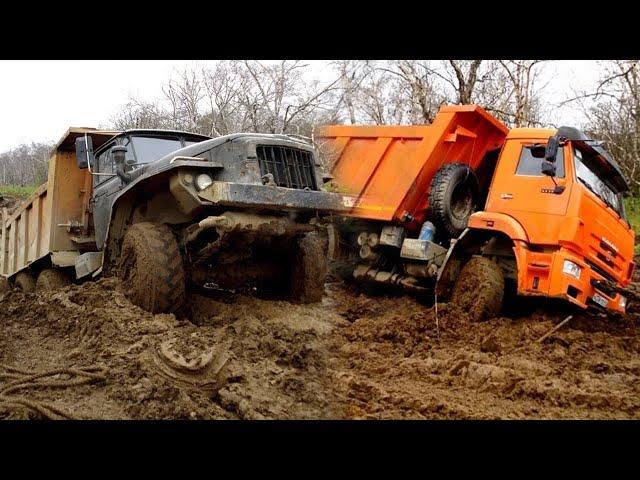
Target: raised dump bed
pixel 390 168
pixel 38 228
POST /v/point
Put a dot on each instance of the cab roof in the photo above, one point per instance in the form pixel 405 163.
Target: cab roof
pixel 100 137
pixel 608 168
pixel 541 133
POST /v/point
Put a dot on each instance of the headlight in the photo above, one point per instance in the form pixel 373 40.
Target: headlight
pixel 203 181
pixel 571 268
pixel 622 302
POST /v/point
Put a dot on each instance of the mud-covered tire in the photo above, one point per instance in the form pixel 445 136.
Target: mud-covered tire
pixel 479 289
pixel 453 197
pixel 25 282
pixel 51 279
pixel 308 271
pixel 151 268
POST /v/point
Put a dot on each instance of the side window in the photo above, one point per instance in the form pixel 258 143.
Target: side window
pixel 126 142
pixel 104 164
pixel 531 166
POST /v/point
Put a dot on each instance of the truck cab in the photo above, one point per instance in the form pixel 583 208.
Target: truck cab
pixel 562 210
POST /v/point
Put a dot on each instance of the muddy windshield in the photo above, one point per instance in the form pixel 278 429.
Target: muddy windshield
pixel 586 174
pixel 150 149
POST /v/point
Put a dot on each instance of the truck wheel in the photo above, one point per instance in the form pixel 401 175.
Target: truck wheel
pixel 151 268
pixel 479 289
pixel 25 282
pixel 308 270
pixel 453 196
pixel 51 279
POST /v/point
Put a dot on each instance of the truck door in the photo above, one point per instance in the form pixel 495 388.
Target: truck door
pixel 519 187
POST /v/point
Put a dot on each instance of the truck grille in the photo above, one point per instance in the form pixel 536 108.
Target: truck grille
pixel 290 167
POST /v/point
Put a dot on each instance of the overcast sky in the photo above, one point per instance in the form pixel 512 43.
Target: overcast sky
pixel 40 99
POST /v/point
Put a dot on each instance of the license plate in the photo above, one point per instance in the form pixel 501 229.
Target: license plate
pixel 600 300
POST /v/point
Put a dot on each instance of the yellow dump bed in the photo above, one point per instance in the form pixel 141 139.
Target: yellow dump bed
pixel 38 227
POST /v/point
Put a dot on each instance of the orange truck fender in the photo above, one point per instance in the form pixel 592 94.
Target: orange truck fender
pixel 498 222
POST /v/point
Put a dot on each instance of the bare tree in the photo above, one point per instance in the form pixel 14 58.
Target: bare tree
pixel 278 95
pixel 224 86
pixel 185 94
pixel 612 111
pixel 523 99
pixel 139 114
pixel 25 164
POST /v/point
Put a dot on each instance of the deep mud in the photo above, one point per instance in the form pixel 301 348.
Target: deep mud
pixel 403 361
pixel 351 356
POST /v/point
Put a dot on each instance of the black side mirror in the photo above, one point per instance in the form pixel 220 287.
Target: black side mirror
pixel 84 152
pixel 548 168
pixel 538 150
pixel 552 149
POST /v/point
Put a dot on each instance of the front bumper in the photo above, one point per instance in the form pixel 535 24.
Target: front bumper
pixel 547 277
pixel 274 198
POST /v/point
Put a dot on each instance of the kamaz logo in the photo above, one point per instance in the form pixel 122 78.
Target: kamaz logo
pixel 609 244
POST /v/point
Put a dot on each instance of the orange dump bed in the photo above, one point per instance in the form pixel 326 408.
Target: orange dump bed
pixel 389 168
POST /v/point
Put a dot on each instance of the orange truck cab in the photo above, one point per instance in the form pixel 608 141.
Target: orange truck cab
pixel 469 209
pixel 567 226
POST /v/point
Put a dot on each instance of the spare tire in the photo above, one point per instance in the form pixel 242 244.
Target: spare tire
pixel 453 197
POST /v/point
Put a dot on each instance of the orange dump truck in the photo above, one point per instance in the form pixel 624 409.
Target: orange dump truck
pixel 471 209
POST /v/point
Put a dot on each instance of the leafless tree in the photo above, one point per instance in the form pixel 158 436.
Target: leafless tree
pixel 224 86
pixel 185 94
pixel 25 164
pixel 139 114
pixel 612 112
pixel 522 106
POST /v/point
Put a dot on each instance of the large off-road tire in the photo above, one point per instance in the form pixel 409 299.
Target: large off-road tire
pixel 479 289
pixel 51 279
pixel 308 271
pixel 151 268
pixel 25 282
pixel 453 197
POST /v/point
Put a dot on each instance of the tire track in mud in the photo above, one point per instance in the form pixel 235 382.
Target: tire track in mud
pixel 275 363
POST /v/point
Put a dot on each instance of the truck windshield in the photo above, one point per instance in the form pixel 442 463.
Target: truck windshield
pixel 590 179
pixel 150 149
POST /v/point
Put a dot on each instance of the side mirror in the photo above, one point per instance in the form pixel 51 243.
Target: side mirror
pixel 119 153
pixel 552 149
pixel 538 150
pixel 548 168
pixel 84 152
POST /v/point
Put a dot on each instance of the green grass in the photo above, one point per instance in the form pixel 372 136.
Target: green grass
pixel 17 190
pixel 632 207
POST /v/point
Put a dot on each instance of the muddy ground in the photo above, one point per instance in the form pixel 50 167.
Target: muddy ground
pixel 352 356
